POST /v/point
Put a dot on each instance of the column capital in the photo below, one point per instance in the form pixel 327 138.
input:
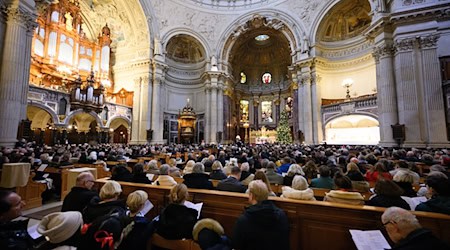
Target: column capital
pixel 404 45
pixel 381 51
pixel 428 42
pixel 21 16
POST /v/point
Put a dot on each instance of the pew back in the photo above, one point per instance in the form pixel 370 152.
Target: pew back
pixel 313 224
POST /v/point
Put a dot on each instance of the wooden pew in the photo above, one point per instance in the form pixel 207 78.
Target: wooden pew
pixel 185 244
pixel 313 224
pixel 32 192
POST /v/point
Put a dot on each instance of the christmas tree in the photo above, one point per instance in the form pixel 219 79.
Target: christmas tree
pixel 283 129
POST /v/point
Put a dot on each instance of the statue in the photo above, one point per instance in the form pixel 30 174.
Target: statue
pixel 305 45
pixel 157 50
pixel 69 20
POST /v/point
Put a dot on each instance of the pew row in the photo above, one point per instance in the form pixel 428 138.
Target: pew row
pixel 32 193
pixel 313 224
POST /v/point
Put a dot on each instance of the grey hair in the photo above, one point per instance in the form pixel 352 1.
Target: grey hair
pixel 245 166
pixel 404 219
pixel 299 182
pixel 295 169
pixel 164 170
pixel 403 176
pixel 198 168
pixel 153 164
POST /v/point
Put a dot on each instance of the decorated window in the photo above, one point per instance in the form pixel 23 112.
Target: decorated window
pixel 266 111
pixel 244 110
pixel 267 78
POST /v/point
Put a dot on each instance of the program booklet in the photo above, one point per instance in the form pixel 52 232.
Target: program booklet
pixel 369 240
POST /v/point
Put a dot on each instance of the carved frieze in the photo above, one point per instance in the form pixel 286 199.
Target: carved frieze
pixel 346 52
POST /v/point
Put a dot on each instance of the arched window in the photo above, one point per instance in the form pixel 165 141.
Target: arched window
pixel 62 106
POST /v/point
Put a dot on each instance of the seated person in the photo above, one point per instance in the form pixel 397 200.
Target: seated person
pixel 299 190
pixel 262 225
pixel 109 200
pixel 405 179
pixel 81 194
pixel 176 221
pixel 260 175
pixel 439 190
pixel 246 176
pixel 285 164
pixel 121 173
pixel 232 183
pixel 377 172
pixel 402 166
pixel 310 170
pixel 189 166
pixel 164 179
pixel 217 171
pixel 406 232
pixel 324 181
pixel 274 177
pixel 210 235
pixel 139 175
pixel 344 193
pixel 388 194
pixel 294 170
pixel 142 228
pixel 152 167
pixel 14 234
pixel 62 230
pixel 357 178
pixel 198 178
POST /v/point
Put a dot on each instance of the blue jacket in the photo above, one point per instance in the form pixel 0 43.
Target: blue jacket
pixel 322 182
pixel 283 168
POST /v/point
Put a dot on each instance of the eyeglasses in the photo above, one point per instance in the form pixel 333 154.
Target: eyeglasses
pixel 385 224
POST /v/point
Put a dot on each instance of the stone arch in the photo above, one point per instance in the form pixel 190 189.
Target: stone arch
pixel 319 17
pixel 126 119
pixel 372 115
pixel 152 22
pixel 188 32
pixel 52 113
pixel 354 128
pixel 276 19
pixel 79 111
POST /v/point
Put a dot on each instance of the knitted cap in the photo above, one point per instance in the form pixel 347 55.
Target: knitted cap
pixel 60 226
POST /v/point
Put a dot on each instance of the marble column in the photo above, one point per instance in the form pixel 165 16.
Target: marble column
pixel 213 115
pixel 386 92
pixel 300 111
pixel 409 96
pixel 156 112
pixel 316 105
pixel 295 113
pixel 207 114
pixel 433 97
pixel 220 112
pixel 306 105
pixel 15 65
pixel 141 110
pixel 255 113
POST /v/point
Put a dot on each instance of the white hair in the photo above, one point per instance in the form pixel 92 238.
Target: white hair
pixel 245 166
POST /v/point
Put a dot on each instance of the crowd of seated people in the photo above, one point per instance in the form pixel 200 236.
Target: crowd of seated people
pixel 328 167
pixel 345 172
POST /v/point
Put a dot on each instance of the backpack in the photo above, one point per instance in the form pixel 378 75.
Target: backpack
pixel 105 232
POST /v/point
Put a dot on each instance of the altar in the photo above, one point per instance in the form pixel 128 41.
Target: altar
pixel 263 136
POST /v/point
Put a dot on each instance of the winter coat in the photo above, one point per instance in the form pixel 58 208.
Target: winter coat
pixel 231 184
pixel 197 180
pixel 96 209
pixel 291 193
pixel 340 196
pixel 176 222
pixel 77 199
pixel 437 204
pixel 165 180
pixel 262 226
pixel 388 201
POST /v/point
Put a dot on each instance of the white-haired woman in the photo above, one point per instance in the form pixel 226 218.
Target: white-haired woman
pixel 299 190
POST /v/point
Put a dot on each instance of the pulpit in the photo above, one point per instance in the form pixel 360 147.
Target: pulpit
pixel 186 125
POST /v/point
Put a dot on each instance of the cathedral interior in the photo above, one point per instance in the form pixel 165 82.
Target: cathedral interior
pixel 174 71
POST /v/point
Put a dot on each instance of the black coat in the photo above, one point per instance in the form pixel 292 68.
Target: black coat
pixel 141 178
pixel 197 180
pixel 388 201
pixel 121 173
pixel 231 184
pixel 14 235
pixel 143 229
pixel 217 175
pixel 96 209
pixel 262 226
pixel 77 199
pixel 176 222
pixel 421 239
